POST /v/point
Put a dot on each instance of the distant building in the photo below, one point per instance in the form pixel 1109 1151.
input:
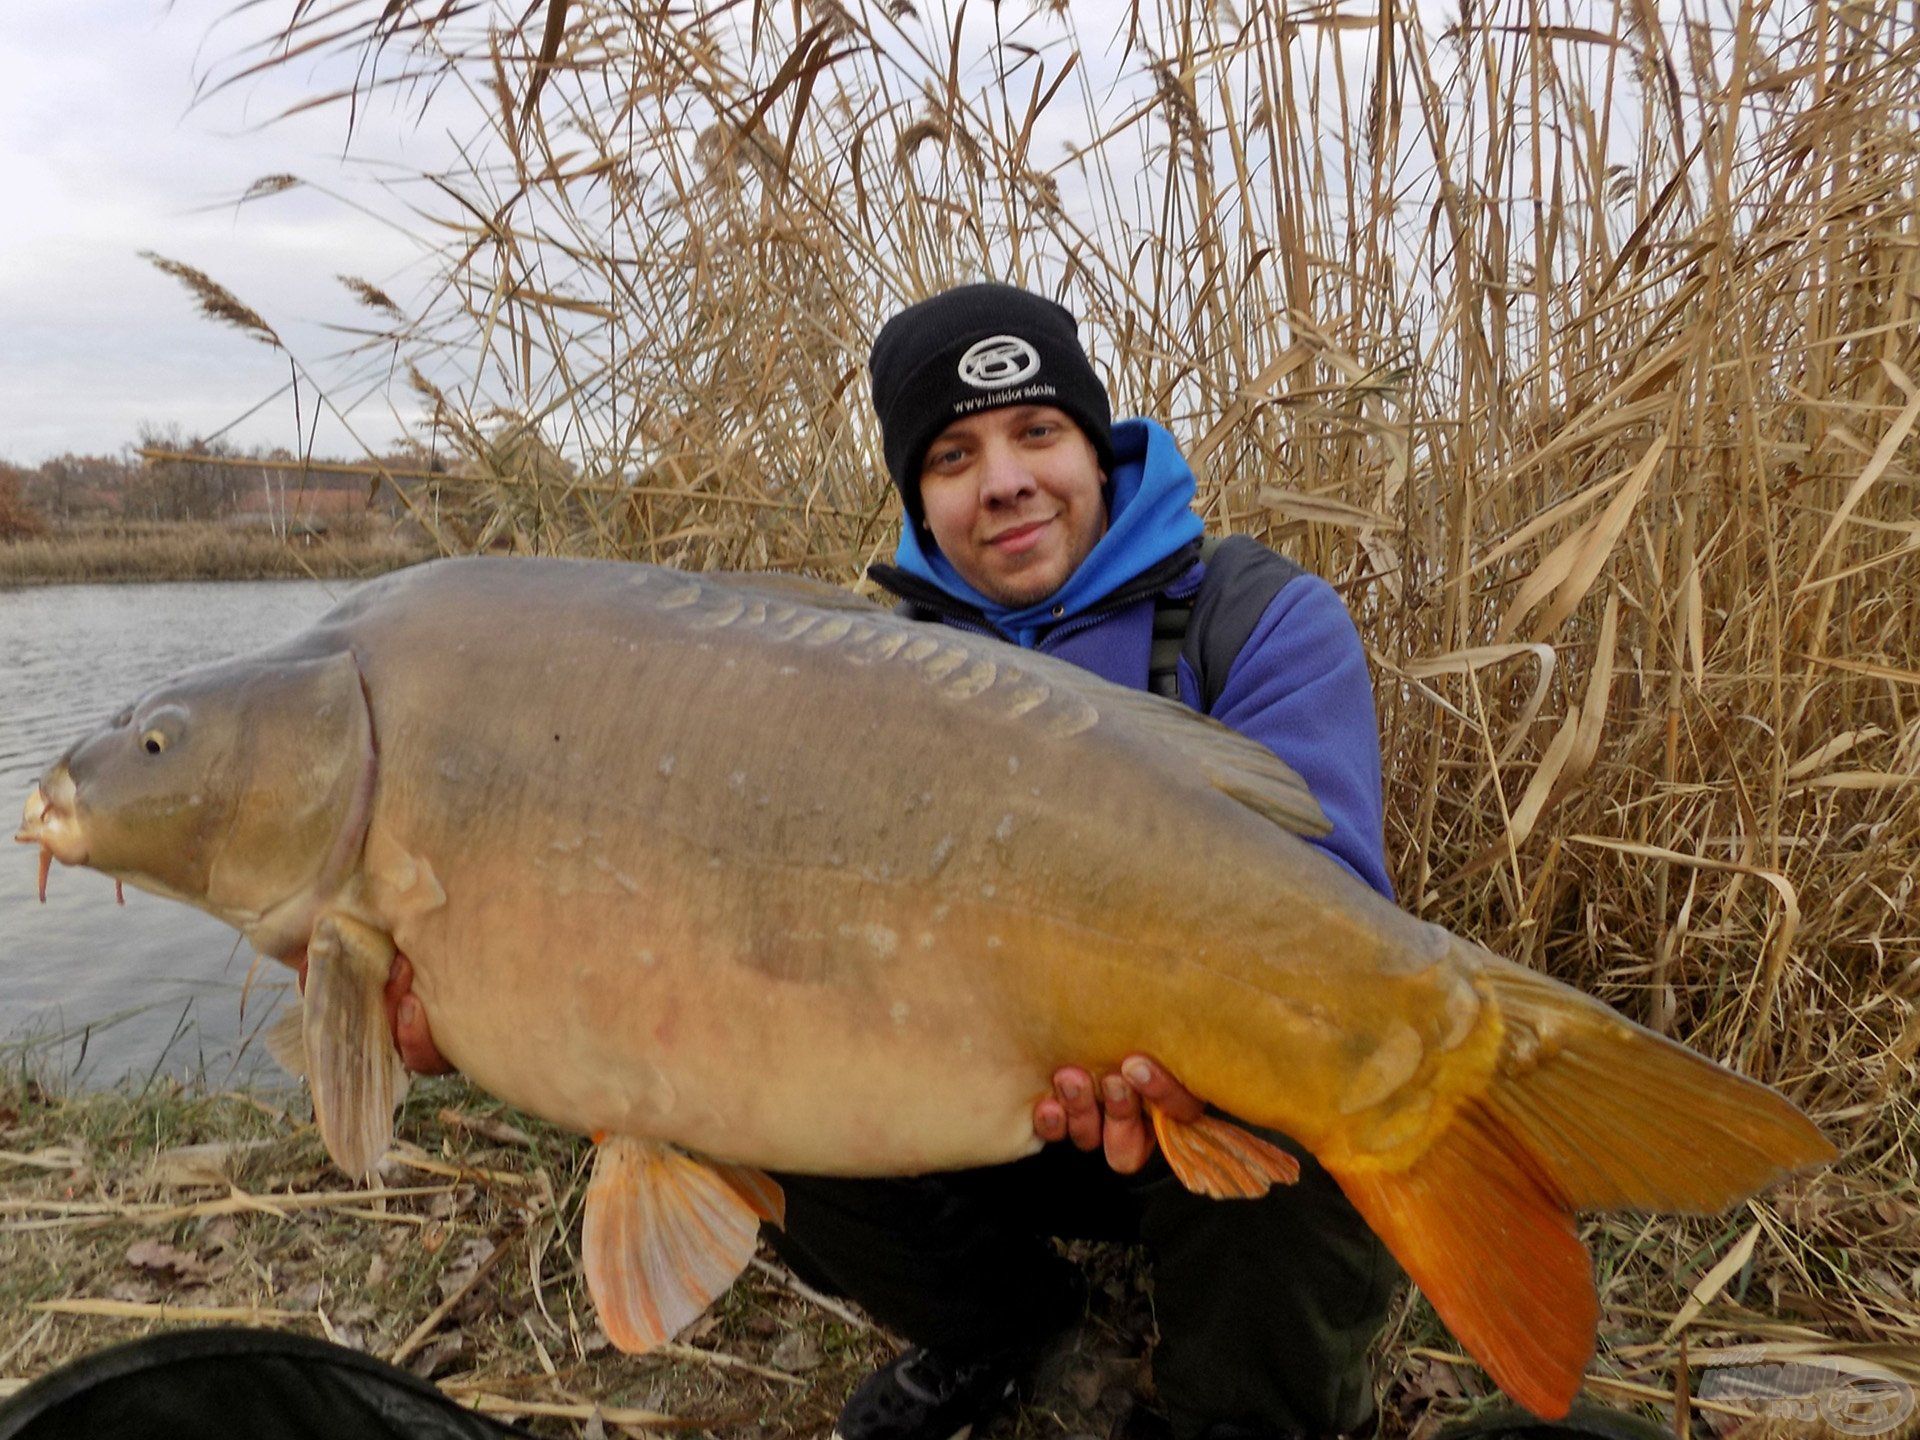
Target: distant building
pixel 296 513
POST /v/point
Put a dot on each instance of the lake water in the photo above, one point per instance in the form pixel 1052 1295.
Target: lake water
pixel 93 992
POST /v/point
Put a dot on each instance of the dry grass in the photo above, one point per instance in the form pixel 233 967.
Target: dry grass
pixel 122 1212
pixel 115 551
pixel 1575 343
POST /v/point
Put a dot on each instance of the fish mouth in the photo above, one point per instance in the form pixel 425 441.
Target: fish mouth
pixel 51 822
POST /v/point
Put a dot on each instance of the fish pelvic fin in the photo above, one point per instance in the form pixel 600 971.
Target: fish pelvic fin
pixel 1214 1157
pixel 760 1190
pixel 665 1234
pixel 352 1068
pixel 1473 1227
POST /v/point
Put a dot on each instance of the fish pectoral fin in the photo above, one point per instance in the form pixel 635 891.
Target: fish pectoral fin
pixel 665 1234
pixel 352 1068
pixel 1217 1158
pixel 286 1037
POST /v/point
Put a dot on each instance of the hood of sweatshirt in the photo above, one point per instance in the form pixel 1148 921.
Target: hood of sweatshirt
pixel 1150 517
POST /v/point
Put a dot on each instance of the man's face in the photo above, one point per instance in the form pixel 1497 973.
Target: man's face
pixel 1013 497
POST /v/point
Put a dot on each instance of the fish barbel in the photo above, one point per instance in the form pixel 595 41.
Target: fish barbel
pixel 736 873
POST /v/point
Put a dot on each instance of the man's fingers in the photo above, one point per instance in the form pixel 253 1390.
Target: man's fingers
pixel 1127 1138
pixel 407 1018
pixel 1111 1116
pixel 1074 1087
pixel 1153 1083
pixel 1050 1119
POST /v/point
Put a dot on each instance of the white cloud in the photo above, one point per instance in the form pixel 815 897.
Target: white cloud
pixel 106 155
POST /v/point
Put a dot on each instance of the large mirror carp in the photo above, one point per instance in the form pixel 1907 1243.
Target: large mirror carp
pixel 736 873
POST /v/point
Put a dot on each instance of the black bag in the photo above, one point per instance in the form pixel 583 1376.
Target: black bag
pixel 1586 1421
pixel 218 1383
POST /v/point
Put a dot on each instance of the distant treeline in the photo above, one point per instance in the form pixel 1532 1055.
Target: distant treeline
pixel 278 490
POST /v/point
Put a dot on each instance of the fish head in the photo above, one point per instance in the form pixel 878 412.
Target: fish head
pixel 242 788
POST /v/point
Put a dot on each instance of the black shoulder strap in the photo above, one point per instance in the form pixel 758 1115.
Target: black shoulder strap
pixel 1170 621
pixel 1211 629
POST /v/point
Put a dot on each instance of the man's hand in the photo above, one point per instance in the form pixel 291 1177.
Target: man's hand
pixel 1109 1117
pixel 407 1018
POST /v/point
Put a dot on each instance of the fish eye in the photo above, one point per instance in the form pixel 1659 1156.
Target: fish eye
pixel 153 742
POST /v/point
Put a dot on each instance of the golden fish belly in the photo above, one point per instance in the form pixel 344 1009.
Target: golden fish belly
pixel 844 1048
pixel 835 1025
pixel 818 873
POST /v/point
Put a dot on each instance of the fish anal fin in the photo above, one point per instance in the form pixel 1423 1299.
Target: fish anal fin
pixel 1495 1253
pixel 1217 1158
pixel 352 1069
pixel 665 1234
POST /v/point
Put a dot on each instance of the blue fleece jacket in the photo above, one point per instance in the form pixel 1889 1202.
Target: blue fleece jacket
pixel 1299 686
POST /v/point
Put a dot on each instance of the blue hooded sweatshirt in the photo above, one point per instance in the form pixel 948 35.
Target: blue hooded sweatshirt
pixel 1299 686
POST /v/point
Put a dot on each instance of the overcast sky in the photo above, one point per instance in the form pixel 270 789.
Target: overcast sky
pixel 103 154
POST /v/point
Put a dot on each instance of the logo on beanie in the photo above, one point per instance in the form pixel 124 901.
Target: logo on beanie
pixel 998 361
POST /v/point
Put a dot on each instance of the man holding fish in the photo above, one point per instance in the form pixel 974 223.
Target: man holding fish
pixel 899 933
pixel 1032 517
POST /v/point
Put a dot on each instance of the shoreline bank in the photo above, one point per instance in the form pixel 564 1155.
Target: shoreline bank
pixel 196 551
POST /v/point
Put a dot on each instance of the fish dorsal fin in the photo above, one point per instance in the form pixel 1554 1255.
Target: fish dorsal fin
pixel 1241 768
pixel 352 1068
pixel 1236 766
pixel 665 1234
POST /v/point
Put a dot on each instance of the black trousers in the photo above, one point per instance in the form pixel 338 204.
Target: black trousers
pixel 1265 1307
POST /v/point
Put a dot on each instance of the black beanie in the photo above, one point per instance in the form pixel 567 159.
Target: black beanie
pixel 979 347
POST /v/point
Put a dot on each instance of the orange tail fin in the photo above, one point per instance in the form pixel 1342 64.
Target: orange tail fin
pixel 1495 1254
pixel 1584 1110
